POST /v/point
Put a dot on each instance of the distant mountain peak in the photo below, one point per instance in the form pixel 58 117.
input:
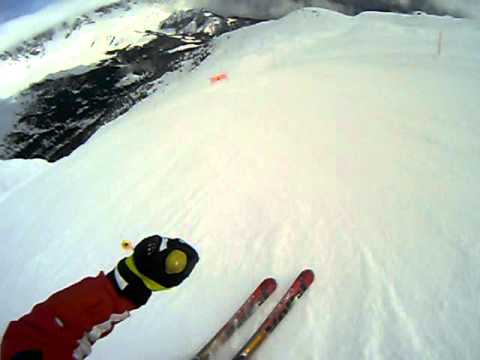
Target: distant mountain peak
pixel 199 21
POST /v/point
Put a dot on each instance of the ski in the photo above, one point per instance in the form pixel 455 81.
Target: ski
pixel 296 290
pixel 257 298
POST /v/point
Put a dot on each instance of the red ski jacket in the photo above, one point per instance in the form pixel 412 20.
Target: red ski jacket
pixel 68 323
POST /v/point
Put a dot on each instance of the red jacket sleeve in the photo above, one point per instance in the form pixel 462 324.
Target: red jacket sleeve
pixel 69 322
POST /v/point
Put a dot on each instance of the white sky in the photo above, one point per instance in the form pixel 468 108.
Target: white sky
pixel 348 145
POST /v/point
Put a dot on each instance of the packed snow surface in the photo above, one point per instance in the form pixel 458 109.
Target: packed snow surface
pixel 348 145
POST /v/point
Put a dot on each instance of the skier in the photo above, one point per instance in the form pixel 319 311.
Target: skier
pixel 69 322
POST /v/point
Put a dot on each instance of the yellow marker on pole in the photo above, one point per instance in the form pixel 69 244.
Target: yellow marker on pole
pixel 127 245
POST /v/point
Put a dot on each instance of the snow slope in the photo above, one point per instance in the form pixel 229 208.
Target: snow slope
pixel 345 144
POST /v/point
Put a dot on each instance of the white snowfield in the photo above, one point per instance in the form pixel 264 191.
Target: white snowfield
pixel 348 145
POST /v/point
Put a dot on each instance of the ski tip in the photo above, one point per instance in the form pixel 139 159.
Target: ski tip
pixel 308 275
pixel 270 284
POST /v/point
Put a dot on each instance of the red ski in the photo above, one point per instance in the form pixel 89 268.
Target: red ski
pixel 296 290
pixel 259 295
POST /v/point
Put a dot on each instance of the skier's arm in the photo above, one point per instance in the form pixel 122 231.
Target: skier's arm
pixel 66 325
pixel 68 322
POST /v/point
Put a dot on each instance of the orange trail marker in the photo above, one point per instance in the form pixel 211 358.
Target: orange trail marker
pixel 219 77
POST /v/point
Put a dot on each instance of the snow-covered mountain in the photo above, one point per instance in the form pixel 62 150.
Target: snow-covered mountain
pixel 116 26
pixel 60 112
pixel 37 44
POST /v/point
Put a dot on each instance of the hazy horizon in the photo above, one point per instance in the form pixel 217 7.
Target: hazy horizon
pixel 23 19
pixel 11 9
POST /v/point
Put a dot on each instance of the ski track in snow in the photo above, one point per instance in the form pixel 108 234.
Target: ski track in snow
pixel 381 307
